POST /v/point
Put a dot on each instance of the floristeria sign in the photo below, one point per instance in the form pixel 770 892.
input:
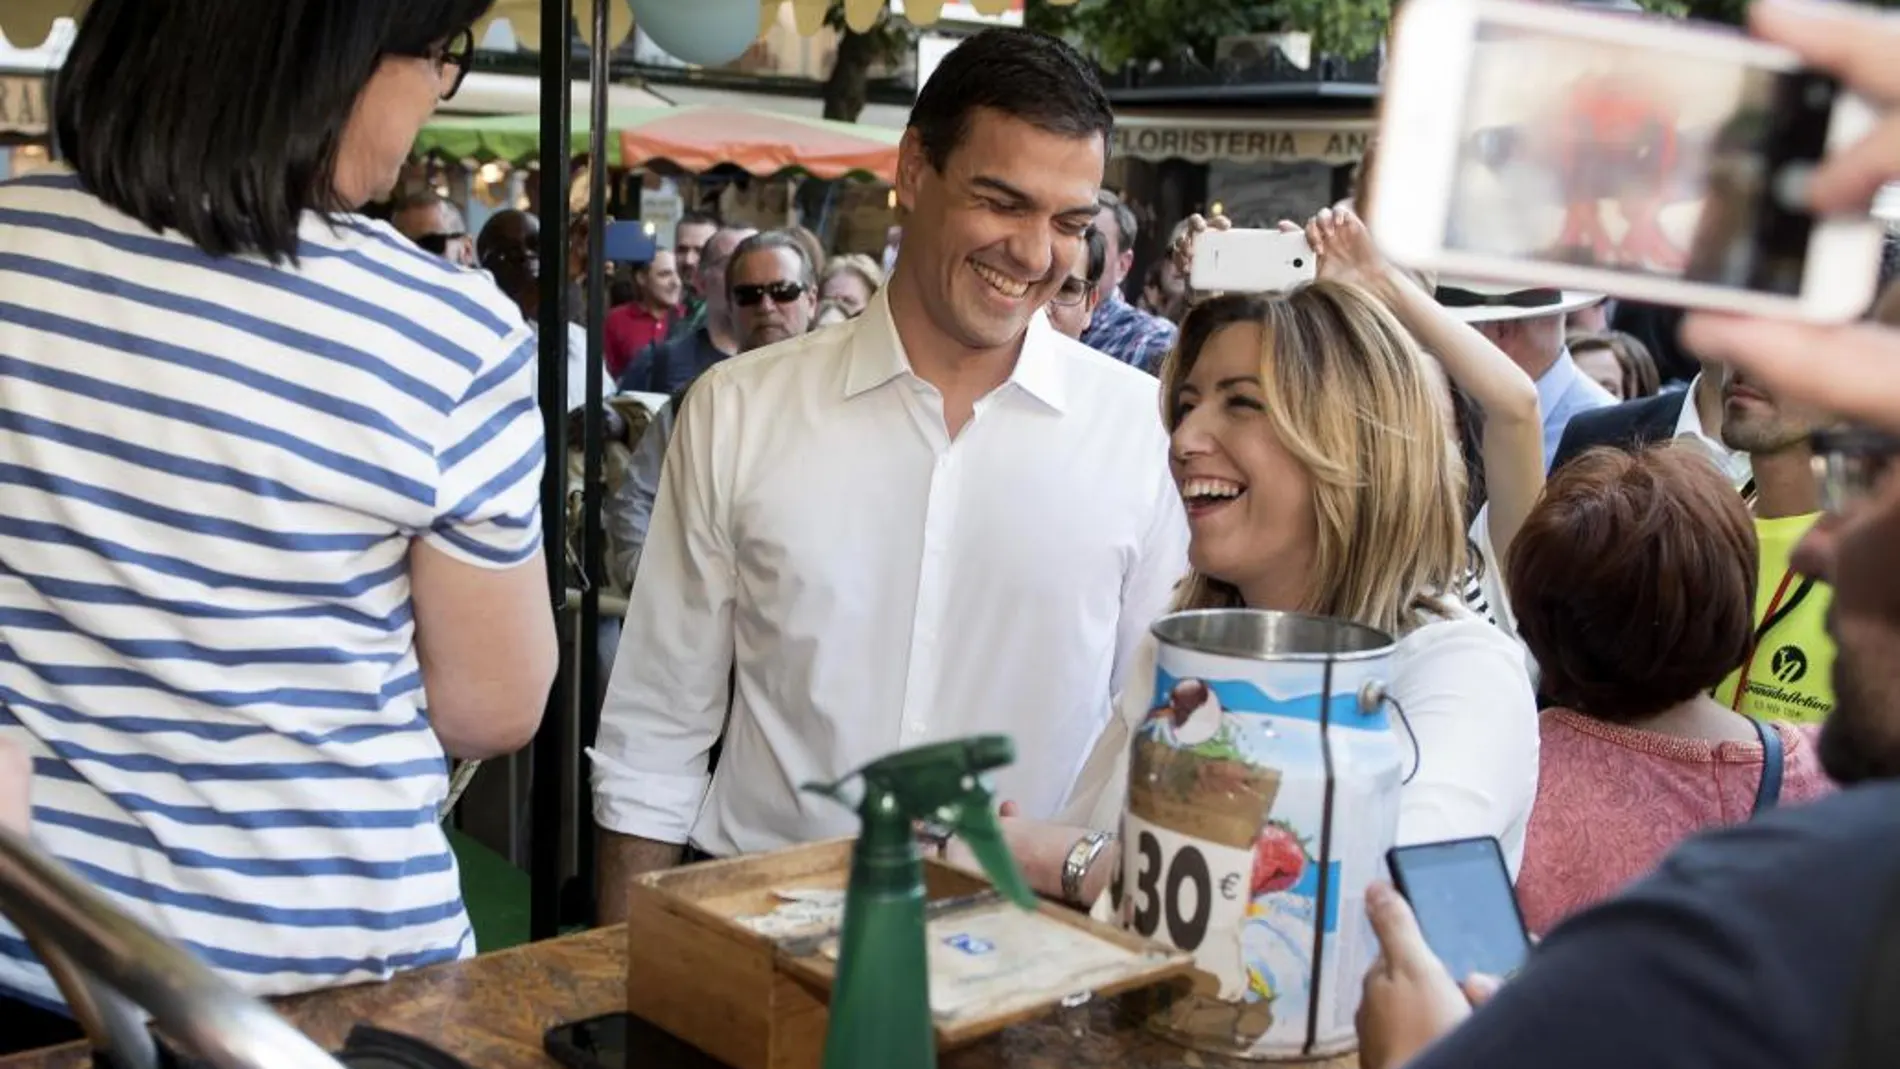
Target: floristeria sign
pixel 1265 143
pixel 23 104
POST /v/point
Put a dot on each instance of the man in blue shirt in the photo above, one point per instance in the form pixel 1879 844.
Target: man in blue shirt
pixel 1528 324
pixel 1118 328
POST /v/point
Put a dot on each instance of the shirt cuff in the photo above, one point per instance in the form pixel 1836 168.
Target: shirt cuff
pixel 652 805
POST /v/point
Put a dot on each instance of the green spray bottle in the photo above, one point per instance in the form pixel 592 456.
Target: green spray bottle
pixel 880 1004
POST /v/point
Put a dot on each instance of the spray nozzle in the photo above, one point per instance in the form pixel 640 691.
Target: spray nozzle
pixel 943 782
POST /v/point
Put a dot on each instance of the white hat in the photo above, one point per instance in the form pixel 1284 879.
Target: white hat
pixel 1492 302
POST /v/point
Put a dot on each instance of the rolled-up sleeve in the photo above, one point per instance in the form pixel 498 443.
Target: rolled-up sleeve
pixel 666 703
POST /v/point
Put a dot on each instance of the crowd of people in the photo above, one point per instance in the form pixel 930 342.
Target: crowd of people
pixel 271 550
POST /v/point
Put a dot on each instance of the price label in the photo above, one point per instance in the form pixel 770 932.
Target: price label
pixel 1190 893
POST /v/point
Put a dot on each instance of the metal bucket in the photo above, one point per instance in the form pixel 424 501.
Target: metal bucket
pixel 1263 795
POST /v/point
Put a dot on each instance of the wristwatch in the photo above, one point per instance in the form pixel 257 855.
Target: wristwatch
pixel 1075 869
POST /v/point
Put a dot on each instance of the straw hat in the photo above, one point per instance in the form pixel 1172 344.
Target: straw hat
pixel 1493 302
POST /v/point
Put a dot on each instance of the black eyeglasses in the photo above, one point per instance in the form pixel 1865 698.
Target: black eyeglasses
pixel 457 52
pixel 780 292
pixel 438 244
pixel 1850 463
pixel 1073 292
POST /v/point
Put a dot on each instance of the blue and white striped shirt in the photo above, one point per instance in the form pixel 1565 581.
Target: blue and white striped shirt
pixel 211 475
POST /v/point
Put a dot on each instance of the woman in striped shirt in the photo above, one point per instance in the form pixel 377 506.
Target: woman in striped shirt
pixel 270 553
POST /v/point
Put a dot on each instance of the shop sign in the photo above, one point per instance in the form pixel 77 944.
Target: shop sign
pixel 23 104
pixel 1262 144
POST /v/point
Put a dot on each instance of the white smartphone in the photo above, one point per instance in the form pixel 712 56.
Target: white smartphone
pixel 1251 261
pixel 1631 155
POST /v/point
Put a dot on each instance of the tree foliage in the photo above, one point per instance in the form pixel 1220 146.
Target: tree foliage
pixel 1117 31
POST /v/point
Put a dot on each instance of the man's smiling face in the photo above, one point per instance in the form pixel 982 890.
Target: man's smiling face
pixel 993 234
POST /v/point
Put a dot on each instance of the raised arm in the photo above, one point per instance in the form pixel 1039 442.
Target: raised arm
pixel 1513 425
pixel 666 704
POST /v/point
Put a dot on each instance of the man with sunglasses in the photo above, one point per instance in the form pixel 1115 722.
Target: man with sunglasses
pixel 435 226
pixel 774 289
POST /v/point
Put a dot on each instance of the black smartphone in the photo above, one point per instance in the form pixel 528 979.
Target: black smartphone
pixel 1461 893
pixel 623 1041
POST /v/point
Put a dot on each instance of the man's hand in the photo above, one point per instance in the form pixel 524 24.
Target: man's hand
pixel 623 859
pixel 16 783
pixel 1852 371
pixel 1410 998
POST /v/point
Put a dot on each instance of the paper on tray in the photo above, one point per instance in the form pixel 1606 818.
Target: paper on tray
pixel 802 911
pixel 999 958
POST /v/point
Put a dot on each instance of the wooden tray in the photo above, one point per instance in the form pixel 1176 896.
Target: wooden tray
pixel 757 1002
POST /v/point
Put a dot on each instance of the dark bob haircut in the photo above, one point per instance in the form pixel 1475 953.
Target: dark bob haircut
pixel 1021 73
pixel 1633 581
pixel 222 119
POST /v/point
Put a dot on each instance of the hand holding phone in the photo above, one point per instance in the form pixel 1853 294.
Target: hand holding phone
pixel 1252 261
pixel 1562 148
pixel 1460 891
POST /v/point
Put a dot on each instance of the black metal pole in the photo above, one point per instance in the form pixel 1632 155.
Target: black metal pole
pixel 546 790
pixel 593 532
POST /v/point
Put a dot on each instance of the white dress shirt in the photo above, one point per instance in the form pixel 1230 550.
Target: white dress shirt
pixel 1734 463
pixel 876 585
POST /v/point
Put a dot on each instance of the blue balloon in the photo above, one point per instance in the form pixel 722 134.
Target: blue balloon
pixel 710 33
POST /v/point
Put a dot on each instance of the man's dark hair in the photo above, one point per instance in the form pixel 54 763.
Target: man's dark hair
pixel 222 119
pixel 1124 219
pixel 1633 581
pixel 1021 73
pixel 1097 244
pixel 690 217
pixel 766 240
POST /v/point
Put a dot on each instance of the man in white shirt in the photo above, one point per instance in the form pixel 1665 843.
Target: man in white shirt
pixel 940 519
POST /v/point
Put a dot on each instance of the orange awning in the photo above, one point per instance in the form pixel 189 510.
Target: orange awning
pixel 760 142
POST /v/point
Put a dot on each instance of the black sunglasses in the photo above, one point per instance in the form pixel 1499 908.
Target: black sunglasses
pixel 458 52
pixel 438 244
pixel 780 292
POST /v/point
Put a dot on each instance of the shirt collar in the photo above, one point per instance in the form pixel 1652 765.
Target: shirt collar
pixel 877 356
pixel 1556 381
pixel 1689 425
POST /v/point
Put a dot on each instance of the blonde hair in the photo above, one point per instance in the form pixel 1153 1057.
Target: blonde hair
pixel 858 264
pixel 1348 396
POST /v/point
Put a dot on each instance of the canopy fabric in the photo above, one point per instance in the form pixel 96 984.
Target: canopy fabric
pixel 694 138
pixel 762 143
pixel 26 23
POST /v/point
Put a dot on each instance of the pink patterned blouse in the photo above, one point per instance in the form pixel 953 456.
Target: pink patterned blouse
pixel 1612 800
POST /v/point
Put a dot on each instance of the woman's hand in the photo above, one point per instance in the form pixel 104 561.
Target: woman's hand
pixel 1849 371
pixel 1410 998
pixel 1181 253
pixel 1344 247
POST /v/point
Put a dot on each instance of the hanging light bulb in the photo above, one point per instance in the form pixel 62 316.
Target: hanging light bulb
pixel 491 174
pixel 861 15
pixel 710 33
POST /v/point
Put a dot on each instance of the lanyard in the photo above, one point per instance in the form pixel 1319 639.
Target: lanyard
pixel 1776 613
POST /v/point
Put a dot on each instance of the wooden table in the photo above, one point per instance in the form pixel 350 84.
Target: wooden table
pixel 492 1011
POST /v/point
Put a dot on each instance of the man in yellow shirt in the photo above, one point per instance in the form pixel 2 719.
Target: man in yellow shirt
pixel 1789 673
